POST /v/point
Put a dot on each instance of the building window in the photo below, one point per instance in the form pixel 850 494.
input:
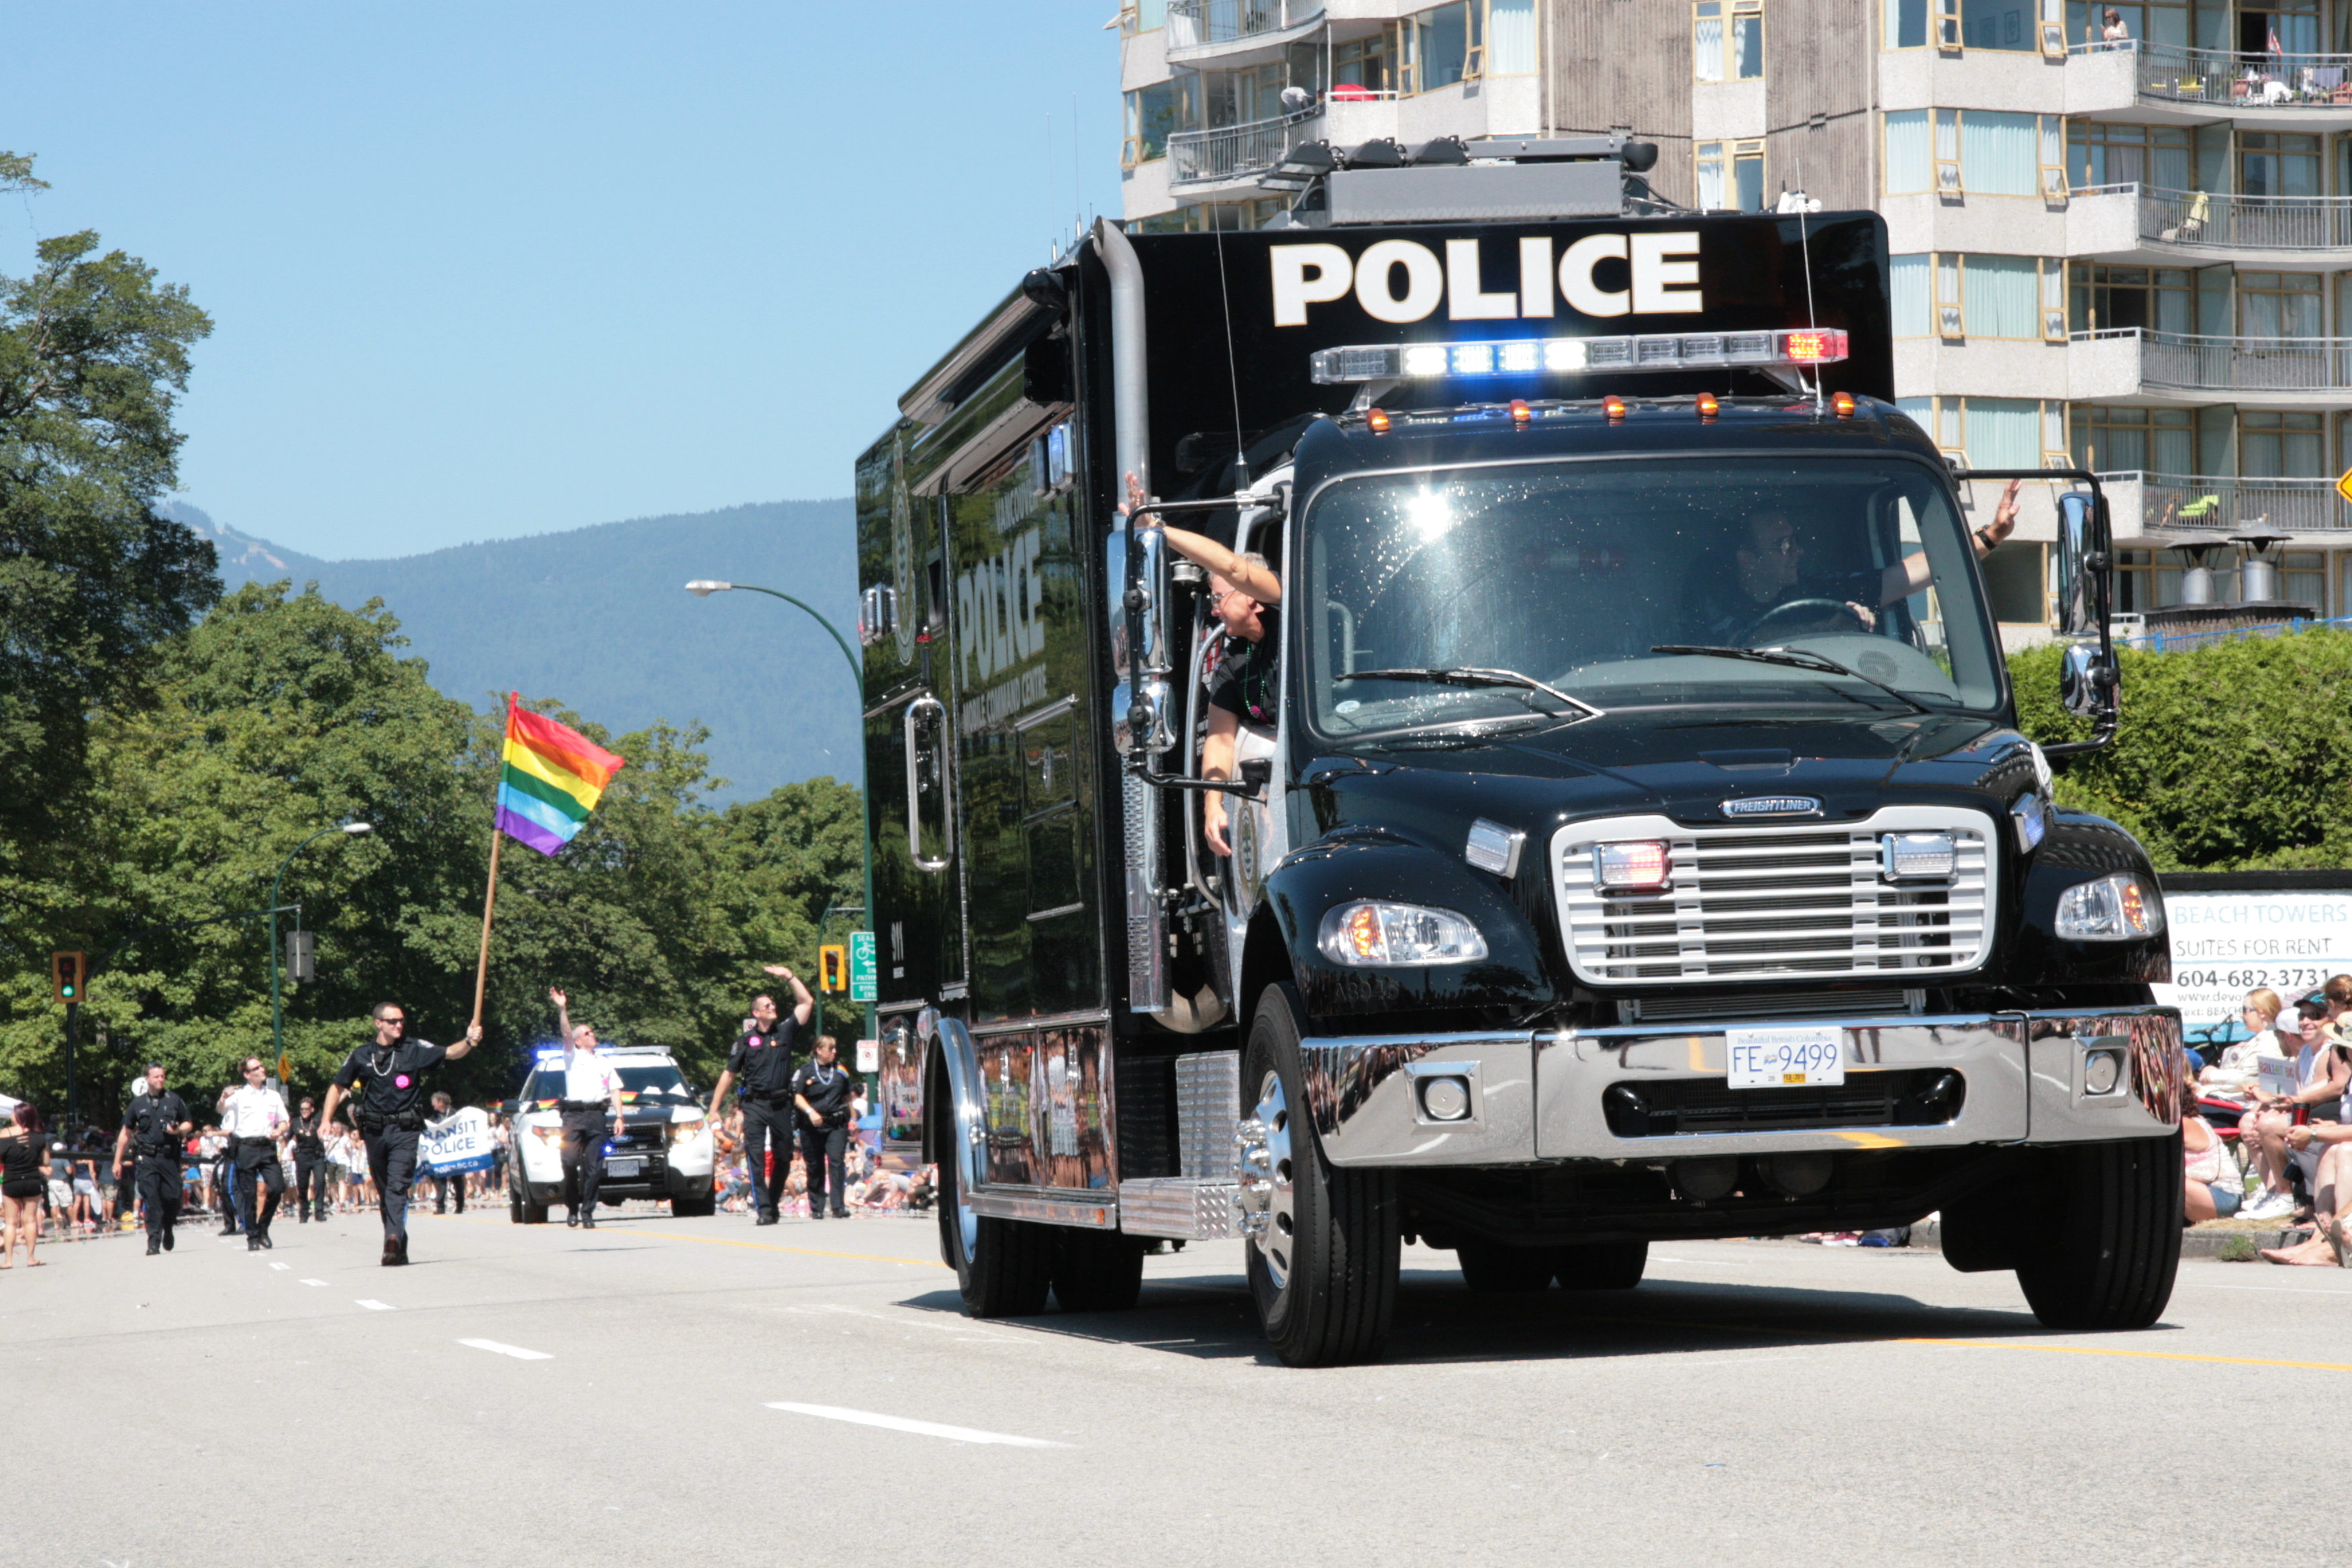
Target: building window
pixel 2099 153
pixel 2278 305
pixel 1991 432
pixel 1949 295
pixel 1731 177
pixel 1966 24
pixel 1142 16
pixel 1970 151
pixel 2150 579
pixel 2147 21
pixel 1511 38
pixel 2101 299
pixel 1442 47
pixel 2275 445
pixel 2272 165
pixel 1366 63
pixel 1727 40
pixel 1445 43
pixel 2123 441
pixel 1151 116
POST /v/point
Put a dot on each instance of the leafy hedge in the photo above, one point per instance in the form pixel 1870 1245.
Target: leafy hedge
pixel 2236 756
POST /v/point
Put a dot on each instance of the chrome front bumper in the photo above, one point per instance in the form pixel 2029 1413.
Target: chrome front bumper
pixel 1528 1096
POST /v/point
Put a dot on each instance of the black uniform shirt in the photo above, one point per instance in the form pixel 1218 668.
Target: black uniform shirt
pixel 391 1079
pixel 307 1144
pixel 151 1119
pixel 761 1063
pixel 1247 681
pixel 827 1089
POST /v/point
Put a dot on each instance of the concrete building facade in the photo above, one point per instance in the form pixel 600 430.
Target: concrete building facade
pixel 2125 244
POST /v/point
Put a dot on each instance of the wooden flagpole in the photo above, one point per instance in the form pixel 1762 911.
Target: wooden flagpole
pixel 490 902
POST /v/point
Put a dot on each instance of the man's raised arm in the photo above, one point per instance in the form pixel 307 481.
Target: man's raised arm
pixel 1910 574
pixel 804 1005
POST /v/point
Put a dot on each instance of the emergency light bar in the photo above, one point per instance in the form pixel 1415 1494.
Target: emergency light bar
pixel 1536 356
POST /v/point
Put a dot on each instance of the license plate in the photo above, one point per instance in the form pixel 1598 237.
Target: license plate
pixel 1779 1059
pixel 623 1167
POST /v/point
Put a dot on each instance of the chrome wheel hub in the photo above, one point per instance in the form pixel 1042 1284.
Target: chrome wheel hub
pixel 1268 1195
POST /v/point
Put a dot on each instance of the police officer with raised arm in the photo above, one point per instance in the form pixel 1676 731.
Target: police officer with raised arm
pixel 153 1127
pixel 389 1076
pixel 310 1163
pixel 762 1062
pixel 254 1116
pixel 591 1085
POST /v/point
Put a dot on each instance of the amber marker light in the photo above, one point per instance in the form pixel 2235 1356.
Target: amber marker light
pixel 1614 407
pixel 1843 402
pixel 1377 421
pixel 1707 407
pixel 1520 412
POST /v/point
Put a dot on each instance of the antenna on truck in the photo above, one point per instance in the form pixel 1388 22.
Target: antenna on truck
pixel 1805 248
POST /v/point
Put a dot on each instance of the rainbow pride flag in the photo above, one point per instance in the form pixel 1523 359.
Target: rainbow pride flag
pixel 553 778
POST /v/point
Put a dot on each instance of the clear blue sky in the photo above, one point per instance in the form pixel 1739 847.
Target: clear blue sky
pixel 479 270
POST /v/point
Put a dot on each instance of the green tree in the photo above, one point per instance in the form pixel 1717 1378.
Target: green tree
pixel 93 354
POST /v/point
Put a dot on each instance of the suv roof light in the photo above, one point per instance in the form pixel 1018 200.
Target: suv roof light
pixel 1531 356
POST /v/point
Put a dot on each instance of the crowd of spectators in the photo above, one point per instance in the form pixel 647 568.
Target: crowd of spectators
pixel 872 1188
pixel 2267 1128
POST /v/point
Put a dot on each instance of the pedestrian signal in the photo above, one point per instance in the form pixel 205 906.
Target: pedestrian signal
pixel 68 969
pixel 833 968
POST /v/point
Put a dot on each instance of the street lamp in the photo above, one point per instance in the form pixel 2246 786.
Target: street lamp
pixel 276 1013
pixel 702 588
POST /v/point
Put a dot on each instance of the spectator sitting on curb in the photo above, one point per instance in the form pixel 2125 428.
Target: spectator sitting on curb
pixel 2331 1142
pixel 2323 1074
pixel 2235 1070
pixel 2215 1187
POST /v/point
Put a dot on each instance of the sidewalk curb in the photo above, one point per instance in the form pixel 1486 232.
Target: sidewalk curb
pixel 2193 1243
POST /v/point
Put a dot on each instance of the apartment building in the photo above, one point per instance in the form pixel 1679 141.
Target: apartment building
pixel 2125 245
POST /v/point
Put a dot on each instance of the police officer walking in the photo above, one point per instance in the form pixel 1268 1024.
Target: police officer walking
pixel 591 1085
pixel 255 1119
pixel 388 1108
pixel 820 1092
pixel 155 1124
pixel 310 1163
pixel 762 1062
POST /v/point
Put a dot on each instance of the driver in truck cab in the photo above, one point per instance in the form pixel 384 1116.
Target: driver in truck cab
pixel 1246 685
pixel 1767 570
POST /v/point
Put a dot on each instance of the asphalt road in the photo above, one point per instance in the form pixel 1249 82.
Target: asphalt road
pixel 546 1395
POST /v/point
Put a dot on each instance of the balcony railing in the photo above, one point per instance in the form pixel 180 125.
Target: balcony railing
pixel 2234 80
pixel 1191 23
pixel 1237 151
pixel 2222 222
pixel 2197 362
pixel 2176 502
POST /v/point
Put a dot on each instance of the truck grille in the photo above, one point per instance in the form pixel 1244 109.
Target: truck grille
pixel 1751 903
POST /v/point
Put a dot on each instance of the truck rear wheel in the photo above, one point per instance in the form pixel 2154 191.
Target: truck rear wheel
pixel 1493 1269
pixel 1004 1267
pixel 2108 1260
pixel 1323 1268
pixel 1097 1270
pixel 1601 1265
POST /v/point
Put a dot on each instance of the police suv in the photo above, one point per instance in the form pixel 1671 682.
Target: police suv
pixel 665 1153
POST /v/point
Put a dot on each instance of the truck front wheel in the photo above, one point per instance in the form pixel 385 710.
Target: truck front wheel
pixel 2109 1259
pixel 1323 1255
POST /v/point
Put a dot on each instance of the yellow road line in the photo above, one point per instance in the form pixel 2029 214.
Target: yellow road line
pixel 755 1246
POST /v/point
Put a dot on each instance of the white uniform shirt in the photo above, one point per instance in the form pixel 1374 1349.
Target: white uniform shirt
pixel 254 1113
pixel 588 1076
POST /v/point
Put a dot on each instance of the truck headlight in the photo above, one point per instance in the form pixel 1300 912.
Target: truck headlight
pixel 2121 908
pixel 1372 935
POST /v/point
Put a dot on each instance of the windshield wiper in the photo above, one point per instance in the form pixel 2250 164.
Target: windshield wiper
pixel 1794 659
pixel 1472 677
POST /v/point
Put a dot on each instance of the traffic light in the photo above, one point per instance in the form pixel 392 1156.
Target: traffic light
pixel 68 969
pixel 833 968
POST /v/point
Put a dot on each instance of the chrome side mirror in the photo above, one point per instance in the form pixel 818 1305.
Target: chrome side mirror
pixel 2084 682
pixel 2082 566
pixel 877 614
pixel 1140 719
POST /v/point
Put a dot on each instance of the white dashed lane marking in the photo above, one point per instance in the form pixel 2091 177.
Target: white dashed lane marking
pixel 920 1428
pixel 376 1306
pixel 495 1348
pixel 319 1282
pixel 279 1267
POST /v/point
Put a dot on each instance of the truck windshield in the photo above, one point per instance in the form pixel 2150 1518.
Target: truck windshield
pixel 1574 574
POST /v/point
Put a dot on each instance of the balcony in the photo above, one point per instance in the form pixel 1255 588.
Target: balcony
pixel 2273 92
pixel 1202 162
pixel 1237 32
pixel 2127 362
pixel 2158 506
pixel 2144 226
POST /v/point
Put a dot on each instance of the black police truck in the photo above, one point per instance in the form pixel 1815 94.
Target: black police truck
pixel 1641 844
